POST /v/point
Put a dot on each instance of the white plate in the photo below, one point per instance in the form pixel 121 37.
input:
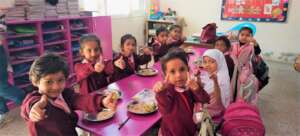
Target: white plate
pixel 105 114
pixel 147 72
pixel 132 107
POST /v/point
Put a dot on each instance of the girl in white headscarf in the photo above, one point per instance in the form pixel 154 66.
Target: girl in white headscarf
pixel 216 83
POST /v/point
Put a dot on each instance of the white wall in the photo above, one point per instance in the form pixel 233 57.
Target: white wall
pixel 276 37
pixel 127 25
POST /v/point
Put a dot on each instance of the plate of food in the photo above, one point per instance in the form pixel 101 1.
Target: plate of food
pixel 117 94
pixel 103 115
pixel 142 107
pixel 147 72
pixel 143 103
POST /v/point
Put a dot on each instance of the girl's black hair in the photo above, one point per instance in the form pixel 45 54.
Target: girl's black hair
pixel 126 37
pixel 174 27
pixel 174 53
pixel 160 30
pixel 48 64
pixel 246 28
pixel 225 40
pixel 89 37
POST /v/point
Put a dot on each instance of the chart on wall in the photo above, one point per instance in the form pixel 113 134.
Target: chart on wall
pixel 255 10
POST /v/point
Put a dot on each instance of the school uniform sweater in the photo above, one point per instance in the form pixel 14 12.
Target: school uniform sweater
pixel 59 122
pixel 177 110
pixel 90 80
pixel 132 64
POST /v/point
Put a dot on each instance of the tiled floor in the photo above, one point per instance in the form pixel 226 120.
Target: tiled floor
pixel 279 105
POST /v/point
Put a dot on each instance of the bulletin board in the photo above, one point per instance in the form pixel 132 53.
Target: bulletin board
pixel 255 10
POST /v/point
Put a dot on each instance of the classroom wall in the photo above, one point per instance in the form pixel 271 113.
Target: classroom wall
pixel 274 38
pixel 123 25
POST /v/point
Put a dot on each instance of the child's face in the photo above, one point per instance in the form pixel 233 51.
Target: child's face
pixel 129 47
pixel 91 51
pixel 51 85
pixel 244 36
pixel 221 46
pixel 162 37
pixel 176 33
pixel 177 72
pixel 210 64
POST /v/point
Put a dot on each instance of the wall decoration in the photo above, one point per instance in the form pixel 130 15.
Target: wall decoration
pixel 255 10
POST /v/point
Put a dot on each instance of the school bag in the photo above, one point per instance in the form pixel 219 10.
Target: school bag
pixel 242 119
pixel 261 71
pixel 202 118
pixel 208 34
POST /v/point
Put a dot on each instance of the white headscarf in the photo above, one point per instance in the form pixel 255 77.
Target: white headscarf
pixel 222 74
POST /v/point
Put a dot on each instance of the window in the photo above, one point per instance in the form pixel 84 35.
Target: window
pixel 114 7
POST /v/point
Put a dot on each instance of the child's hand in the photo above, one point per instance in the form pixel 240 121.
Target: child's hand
pixel 214 77
pixel 197 72
pixel 191 83
pixel 252 41
pixel 109 102
pixel 147 51
pixel 99 67
pixel 120 63
pixel 161 85
pixel 37 112
pixel 216 97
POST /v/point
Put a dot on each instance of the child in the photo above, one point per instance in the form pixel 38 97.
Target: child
pixel 93 72
pixel 7 91
pixel 222 43
pixel 127 62
pixel 175 36
pixel 51 109
pixel 177 94
pixel 216 82
pixel 159 46
pixel 245 37
pixel 242 54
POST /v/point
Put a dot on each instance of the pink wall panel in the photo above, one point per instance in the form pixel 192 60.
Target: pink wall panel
pixel 102 28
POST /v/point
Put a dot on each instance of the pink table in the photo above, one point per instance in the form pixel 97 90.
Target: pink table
pixel 137 124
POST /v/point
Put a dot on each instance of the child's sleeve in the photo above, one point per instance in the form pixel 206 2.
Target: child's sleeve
pixel 83 71
pixel 89 103
pixel 3 65
pixel 201 95
pixel 109 67
pixel 143 59
pixel 3 56
pixel 165 100
pixel 27 104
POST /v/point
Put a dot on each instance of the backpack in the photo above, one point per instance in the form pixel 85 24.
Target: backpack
pixel 242 119
pixel 208 34
pixel 261 71
pixel 202 118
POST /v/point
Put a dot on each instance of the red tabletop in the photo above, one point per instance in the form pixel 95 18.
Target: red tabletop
pixel 137 124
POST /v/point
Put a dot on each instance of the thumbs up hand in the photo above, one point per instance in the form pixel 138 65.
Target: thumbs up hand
pixel 38 111
pixel 120 63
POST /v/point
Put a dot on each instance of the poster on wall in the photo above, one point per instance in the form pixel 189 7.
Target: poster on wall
pixel 255 10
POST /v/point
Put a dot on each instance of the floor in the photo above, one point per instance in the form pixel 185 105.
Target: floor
pixel 279 105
